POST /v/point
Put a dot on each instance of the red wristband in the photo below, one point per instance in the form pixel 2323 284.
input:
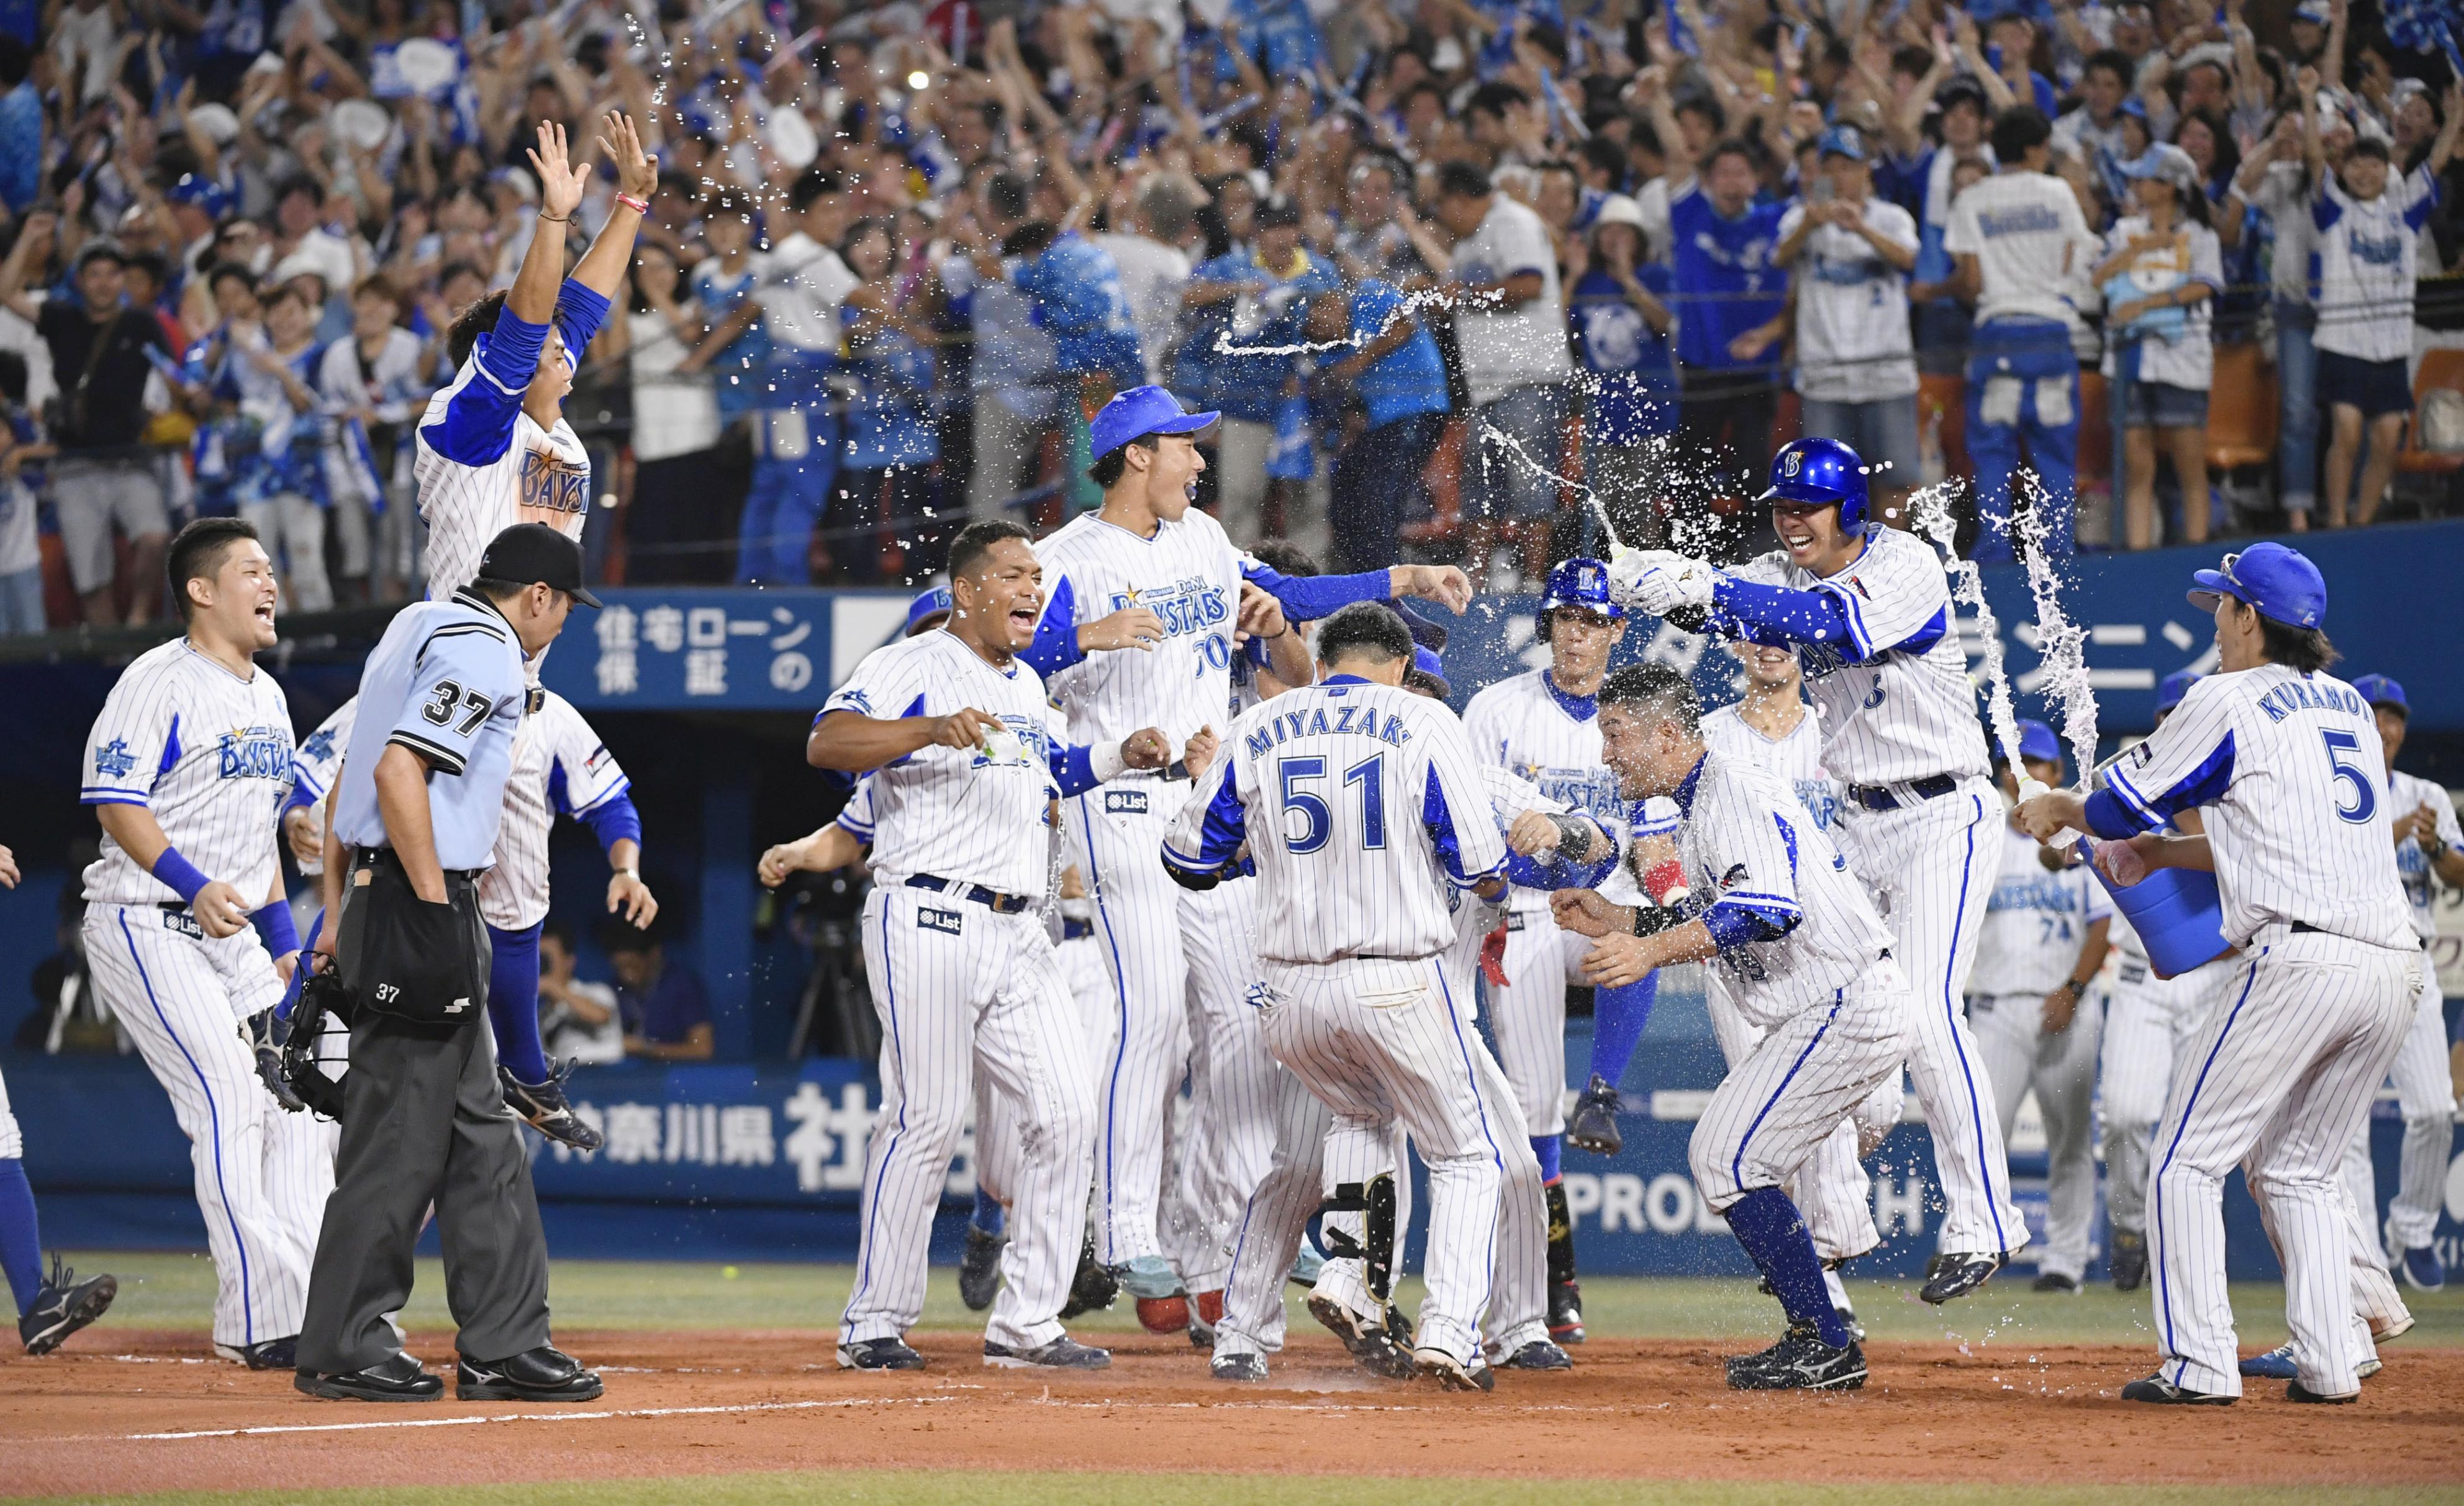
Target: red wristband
pixel 637 206
pixel 1665 882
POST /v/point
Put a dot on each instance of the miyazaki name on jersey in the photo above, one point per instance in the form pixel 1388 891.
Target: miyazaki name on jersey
pixel 1357 720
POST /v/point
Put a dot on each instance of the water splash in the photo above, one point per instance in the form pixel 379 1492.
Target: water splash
pixel 2061 645
pixel 1929 509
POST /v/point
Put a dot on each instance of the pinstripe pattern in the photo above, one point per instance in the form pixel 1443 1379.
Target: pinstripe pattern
pixel 1789 1095
pixel 1231 1120
pixel 1830 1188
pixel 2280 1083
pixel 314 765
pixel 514 891
pixel 1139 927
pixel 468 505
pixel 2019 1055
pixel 2377 1305
pixel 2148 1022
pixel 2425 1094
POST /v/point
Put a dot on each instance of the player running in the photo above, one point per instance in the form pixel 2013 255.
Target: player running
pixel 1149 548
pixel 2283 762
pixel 1809 961
pixel 187 929
pixel 1869 611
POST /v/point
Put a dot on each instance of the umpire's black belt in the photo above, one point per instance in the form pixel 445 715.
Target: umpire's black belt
pixel 1894 797
pixel 992 899
pixel 387 857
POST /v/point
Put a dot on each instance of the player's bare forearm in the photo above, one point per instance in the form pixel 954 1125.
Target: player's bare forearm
pixel 1287 658
pixel 2158 851
pixel 853 742
pixel 402 804
pixel 134 828
pixel 602 268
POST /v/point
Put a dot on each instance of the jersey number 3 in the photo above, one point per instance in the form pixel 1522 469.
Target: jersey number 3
pixel 447 696
pixel 2365 800
pixel 1317 817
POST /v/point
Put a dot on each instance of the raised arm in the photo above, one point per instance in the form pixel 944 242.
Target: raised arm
pixel 602 269
pixel 532 298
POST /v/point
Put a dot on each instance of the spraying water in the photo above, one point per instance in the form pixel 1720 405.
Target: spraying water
pixel 1930 510
pixel 2063 648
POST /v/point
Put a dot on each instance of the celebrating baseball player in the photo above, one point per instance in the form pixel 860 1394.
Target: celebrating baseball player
pixel 954 726
pixel 1809 961
pixel 188 930
pixel 2282 760
pixel 2042 946
pixel 1344 794
pixel 1149 548
pixel 1868 609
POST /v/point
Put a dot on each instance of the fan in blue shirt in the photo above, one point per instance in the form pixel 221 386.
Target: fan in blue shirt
pixel 1247 308
pixel 1732 301
pixel 1075 290
pixel 1395 368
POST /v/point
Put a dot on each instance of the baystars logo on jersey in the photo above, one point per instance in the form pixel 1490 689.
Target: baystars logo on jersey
pixel 255 753
pixel 1594 790
pixel 112 760
pixel 552 486
pixel 1188 606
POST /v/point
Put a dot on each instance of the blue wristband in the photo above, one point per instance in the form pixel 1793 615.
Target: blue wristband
pixel 181 874
pixel 273 922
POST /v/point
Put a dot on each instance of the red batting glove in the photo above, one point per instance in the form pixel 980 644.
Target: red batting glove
pixel 1492 957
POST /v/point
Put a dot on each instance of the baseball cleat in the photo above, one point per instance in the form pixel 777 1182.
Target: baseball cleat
pixel 1956 1275
pixel 879 1354
pixel 979 1269
pixel 2129 1262
pixel 1371 1345
pixel 1093 1289
pixel 1538 1355
pixel 542 1106
pixel 1238 1367
pixel 62 1306
pixel 2055 1281
pixel 1566 1312
pixel 2165 1393
pixel 545 1374
pixel 265 1033
pixel 1800 1362
pixel 2368 1368
pixel 1063 1353
pixel 1848 1317
pixel 1592 1126
pixel 1452 1374
pixel 395 1378
pixel 2276 1365
pixel 2295 1392
pixel 271 1353
pixel 2422 1270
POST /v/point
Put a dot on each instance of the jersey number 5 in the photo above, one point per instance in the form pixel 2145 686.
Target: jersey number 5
pixel 1317 817
pixel 447 696
pixel 2365 800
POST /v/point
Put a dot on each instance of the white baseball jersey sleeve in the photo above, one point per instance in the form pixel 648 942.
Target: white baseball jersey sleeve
pixel 1796 758
pixel 2290 779
pixel 961 814
pixel 1894 696
pixel 314 766
pixel 2410 792
pixel 559 768
pixel 1537 732
pixel 856 815
pixel 2035 923
pixel 209 753
pixel 1346 794
pixel 1794 926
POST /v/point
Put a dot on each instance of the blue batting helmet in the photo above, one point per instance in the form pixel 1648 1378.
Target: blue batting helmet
pixel 1818 471
pixel 2170 689
pixel 1580 582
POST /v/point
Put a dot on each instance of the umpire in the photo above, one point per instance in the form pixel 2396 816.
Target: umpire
pixel 415 816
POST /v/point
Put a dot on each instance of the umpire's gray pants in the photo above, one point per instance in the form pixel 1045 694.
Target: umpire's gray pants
pixel 423 1120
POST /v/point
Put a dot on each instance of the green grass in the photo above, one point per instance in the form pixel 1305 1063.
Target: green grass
pixel 174 1291
pixel 939 1488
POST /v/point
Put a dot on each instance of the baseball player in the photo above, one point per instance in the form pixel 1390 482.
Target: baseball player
pixel 1149 548
pixel 2283 761
pixel 2042 946
pixel 957 729
pixel 49 1308
pixel 2427 842
pixel 1809 961
pixel 1543 726
pixel 1344 794
pixel 1869 611
pixel 188 930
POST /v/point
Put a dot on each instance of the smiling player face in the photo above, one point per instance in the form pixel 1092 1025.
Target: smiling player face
pixel 999 600
pixel 1173 470
pixel 1580 642
pixel 1812 536
pixel 1650 755
pixel 235 605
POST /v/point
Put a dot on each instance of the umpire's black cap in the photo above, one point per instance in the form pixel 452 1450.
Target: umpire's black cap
pixel 535 553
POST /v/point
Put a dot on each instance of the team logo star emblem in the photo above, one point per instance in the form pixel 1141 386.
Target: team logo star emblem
pixel 113 760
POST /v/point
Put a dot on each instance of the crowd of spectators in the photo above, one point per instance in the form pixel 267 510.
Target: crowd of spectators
pixel 1446 266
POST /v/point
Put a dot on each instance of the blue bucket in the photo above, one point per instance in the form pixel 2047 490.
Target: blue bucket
pixel 2177 912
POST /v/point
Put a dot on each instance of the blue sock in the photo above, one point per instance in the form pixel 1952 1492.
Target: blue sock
pixel 1618 1018
pixel 300 974
pixel 21 1238
pixel 1767 1225
pixel 988 1215
pixel 513 1003
pixel 1551 1149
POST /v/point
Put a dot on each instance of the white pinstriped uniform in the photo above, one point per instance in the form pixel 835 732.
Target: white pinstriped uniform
pixel 556 758
pixel 1189 574
pixel 12 1145
pixel 2288 774
pixel 2148 1021
pixel 209 754
pixel 2425 1089
pixel 542 477
pixel 315 765
pixel 1905 711
pixel 2034 930
pixel 1831 1003
pixel 1524 725
pixel 963 989
pixel 1355 786
pixel 1832 1191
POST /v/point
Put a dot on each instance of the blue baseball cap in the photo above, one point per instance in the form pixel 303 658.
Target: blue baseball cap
pixel 934 602
pixel 2170 689
pixel 2280 583
pixel 1425 661
pixel 2036 741
pixel 195 188
pixel 1137 413
pixel 2380 691
pixel 1841 140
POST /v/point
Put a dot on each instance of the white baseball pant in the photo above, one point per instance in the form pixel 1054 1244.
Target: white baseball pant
pixel 1082 970
pixel 1529 1014
pixel 1832 1190
pixel 1787 1097
pixel 1229 1137
pixel 1931 866
pixel 262 1175
pixel 2280 1081
pixel 2425 1093
pixel 2148 1022
pixel 12 1145
pixel 2018 1055
pixel 1137 927
pixel 981 993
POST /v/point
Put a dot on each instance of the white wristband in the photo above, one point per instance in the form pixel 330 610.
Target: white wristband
pixel 1104 759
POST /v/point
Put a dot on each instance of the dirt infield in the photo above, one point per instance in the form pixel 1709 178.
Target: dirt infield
pixel 154 1411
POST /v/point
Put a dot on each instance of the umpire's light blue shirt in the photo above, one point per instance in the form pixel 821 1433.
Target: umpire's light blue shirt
pixel 446 683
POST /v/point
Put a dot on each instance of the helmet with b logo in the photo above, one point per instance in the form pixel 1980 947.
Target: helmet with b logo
pixel 1579 582
pixel 1817 472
